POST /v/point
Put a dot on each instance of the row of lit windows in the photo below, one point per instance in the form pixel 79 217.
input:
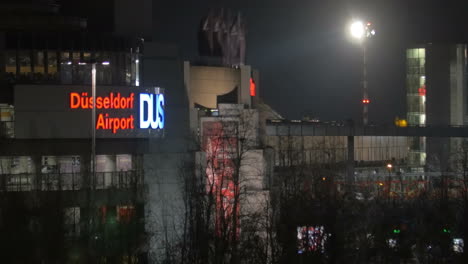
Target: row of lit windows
pixel 416 91
pixel 416 104
pixel 415 62
pixel 64 164
pixel 122 214
pixel 416 53
pixel 69 67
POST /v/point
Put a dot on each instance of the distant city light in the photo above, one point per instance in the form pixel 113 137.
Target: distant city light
pixel 105 63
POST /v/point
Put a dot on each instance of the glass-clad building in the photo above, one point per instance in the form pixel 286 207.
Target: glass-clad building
pixel 64 58
pixel 416 102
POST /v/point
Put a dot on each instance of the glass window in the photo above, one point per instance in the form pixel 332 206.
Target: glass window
pixel 105 163
pixel 78 68
pixel 25 62
pixel 103 72
pixel 65 68
pixel 76 57
pixel 85 69
pixel 413 118
pixel 65 57
pixel 414 103
pixel 125 213
pixel 134 69
pixel 49 164
pixel 10 62
pixel 16 165
pixel 39 62
pixel 69 164
pixel 72 221
pixel 128 69
pixel 422 62
pixel 52 65
pixel 422 80
pixel 124 162
pixel 422 53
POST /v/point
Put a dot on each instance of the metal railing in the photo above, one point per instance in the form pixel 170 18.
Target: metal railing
pixel 70 181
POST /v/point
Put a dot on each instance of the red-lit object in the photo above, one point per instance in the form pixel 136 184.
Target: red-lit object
pixel 422 90
pixel 113 101
pixel 252 87
pixel 125 214
pixel 115 123
pixel 365 101
pixel 220 172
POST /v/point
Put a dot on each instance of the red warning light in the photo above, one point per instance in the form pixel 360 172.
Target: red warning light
pixel 252 87
pixel 365 101
pixel 422 90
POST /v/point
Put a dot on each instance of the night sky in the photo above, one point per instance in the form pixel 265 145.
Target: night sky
pixel 307 63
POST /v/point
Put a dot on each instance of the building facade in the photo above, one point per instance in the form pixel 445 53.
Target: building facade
pixel 58 201
pixel 436 95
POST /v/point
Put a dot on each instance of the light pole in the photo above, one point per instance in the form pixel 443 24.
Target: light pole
pixel 361 32
pixel 389 181
pixel 93 120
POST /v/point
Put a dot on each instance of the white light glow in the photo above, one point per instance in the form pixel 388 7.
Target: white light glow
pixel 357 29
pixel 422 119
pixel 105 63
pixel 137 73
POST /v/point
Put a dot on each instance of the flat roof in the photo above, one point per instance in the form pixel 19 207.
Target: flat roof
pixel 304 128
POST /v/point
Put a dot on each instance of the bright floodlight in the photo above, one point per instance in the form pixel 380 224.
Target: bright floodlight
pixel 357 29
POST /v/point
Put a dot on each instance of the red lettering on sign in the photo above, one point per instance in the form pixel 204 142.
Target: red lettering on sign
pixel 113 101
pixel 74 100
pixel 114 123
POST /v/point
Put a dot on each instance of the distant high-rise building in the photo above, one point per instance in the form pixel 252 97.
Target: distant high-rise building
pixel 436 85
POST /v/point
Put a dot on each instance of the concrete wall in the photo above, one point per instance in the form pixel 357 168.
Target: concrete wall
pixel 164 164
pixel 205 83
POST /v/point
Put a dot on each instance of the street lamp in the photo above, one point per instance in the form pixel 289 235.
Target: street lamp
pixel 389 181
pixel 93 115
pixel 362 31
pixel 93 120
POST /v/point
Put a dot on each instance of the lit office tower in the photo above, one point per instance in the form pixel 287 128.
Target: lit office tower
pixel 416 99
pixel 436 86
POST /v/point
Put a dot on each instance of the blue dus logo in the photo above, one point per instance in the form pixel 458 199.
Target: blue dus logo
pixel 151 111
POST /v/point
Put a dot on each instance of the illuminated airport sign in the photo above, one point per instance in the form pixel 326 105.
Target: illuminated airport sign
pixel 118 111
